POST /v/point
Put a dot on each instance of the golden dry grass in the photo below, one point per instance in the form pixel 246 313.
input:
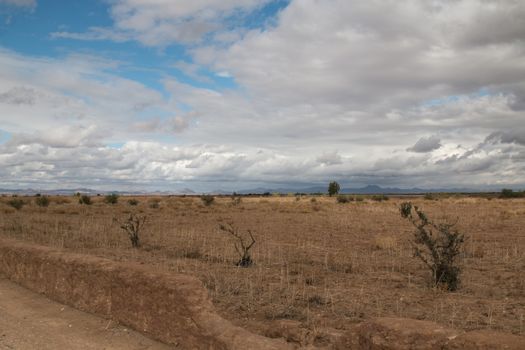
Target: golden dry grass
pixel 322 263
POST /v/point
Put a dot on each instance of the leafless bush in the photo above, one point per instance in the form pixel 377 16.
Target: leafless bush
pixel 437 245
pixel 132 226
pixel 242 248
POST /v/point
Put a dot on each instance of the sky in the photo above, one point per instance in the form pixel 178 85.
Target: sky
pixel 238 94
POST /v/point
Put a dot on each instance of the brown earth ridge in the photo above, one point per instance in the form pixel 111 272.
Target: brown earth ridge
pixel 177 310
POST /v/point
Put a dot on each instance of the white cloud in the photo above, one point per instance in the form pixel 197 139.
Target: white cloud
pixel 365 78
pixel 41 93
pixel 162 22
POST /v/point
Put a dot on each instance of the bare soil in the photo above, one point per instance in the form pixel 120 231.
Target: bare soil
pixel 30 321
pixel 319 262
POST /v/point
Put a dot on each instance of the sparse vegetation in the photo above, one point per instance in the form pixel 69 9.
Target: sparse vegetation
pixel 343 199
pixel 84 199
pixel 236 200
pixel 379 197
pixel 154 203
pixel 437 245
pixel 429 196
pixel 243 248
pixel 133 202
pixel 207 199
pixel 42 201
pixel 356 257
pixel 16 203
pixel 111 198
pixel 333 188
pixel 508 193
pixel 132 226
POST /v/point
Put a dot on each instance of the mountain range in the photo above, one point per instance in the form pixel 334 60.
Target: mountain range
pixel 369 189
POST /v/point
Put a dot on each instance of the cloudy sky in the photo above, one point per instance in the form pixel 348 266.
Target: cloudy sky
pixel 235 94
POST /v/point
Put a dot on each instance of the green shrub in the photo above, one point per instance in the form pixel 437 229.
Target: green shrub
pixel 42 201
pixel 84 199
pixel 508 193
pixel 207 199
pixel 438 246
pixel 111 198
pixel 16 203
pixel 133 202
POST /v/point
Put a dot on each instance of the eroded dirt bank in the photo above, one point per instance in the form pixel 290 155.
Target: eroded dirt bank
pixel 30 321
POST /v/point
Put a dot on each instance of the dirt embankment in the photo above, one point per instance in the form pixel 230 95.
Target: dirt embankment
pixel 176 309
pixel 30 321
pixel 172 308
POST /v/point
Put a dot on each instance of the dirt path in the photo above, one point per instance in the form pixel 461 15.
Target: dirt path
pixel 30 321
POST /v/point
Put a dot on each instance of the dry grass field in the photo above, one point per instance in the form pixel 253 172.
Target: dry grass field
pixel 323 263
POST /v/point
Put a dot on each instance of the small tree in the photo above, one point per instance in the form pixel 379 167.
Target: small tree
pixel 243 249
pixel 333 188
pixel 437 245
pixel 132 227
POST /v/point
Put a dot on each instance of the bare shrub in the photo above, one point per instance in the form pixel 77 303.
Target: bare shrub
pixel 242 248
pixel 437 245
pixel 132 227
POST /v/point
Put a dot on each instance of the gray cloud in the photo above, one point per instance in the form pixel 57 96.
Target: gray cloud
pixel 19 95
pixel 173 125
pixel 511 136
pixel 426 144
pixel 361 77
pixel 330 158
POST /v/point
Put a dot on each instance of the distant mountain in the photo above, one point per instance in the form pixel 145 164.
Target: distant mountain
pixel 369 189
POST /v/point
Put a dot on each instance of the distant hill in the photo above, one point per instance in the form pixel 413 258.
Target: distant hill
pixel 369 189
